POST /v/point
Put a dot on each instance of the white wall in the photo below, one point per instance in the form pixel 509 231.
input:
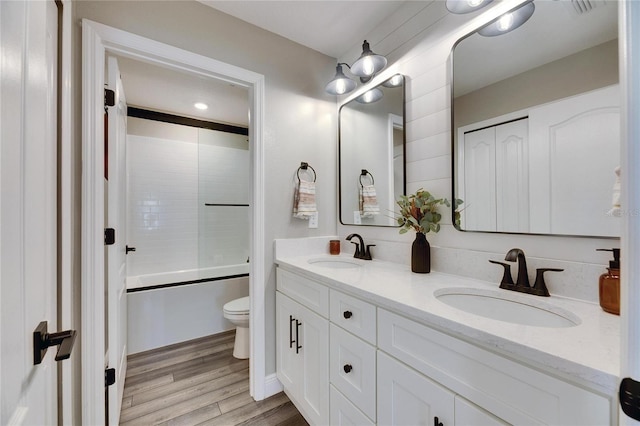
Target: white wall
pixel 420 49
pixel 300 119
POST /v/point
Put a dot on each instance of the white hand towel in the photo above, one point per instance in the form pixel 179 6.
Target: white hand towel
pixel 304 201
pixel 368 201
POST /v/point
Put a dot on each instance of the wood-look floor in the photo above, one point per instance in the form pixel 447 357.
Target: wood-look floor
pixel 198 382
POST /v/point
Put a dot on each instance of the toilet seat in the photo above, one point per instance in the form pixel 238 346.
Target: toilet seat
pixel 237 307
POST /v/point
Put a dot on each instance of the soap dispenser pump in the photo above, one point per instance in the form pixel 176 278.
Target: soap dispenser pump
pixel 610 284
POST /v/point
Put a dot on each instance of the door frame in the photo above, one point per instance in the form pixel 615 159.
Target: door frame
pixel 97 40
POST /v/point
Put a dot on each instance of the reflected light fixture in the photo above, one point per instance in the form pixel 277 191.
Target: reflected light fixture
pixel 367 65
pixel 508 21
pixel 394 81
pixel 460 7
pixel 340 84
pixel 370 96
pixel 201 105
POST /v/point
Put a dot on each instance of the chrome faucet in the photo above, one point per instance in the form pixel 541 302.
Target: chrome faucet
pixel 362 252
pixel 522 282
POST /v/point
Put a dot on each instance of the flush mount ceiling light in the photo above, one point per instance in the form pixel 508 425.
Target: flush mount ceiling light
pixel 340 84
pixel 508 21
pixel 201 105
pixel 460 7
pixel 367 65
pixel 370 96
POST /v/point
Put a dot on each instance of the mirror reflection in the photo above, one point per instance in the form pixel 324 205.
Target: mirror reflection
pixel 536 124
pixel 371 155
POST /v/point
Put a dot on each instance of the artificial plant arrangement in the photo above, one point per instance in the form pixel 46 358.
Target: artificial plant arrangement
pixel 419 211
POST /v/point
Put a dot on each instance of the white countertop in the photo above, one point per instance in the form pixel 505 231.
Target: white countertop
pixel 588 353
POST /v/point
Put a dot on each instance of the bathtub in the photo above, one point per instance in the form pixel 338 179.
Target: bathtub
pixel 174 307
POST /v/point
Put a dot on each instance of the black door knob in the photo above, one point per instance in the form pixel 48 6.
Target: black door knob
pixel 347 368
pixel 347 314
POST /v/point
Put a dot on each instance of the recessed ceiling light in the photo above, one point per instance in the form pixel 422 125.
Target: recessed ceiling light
pixel 201 105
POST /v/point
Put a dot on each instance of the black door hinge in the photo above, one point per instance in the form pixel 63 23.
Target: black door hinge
pixel 109 98
pixel 630 397
pixel 109 236
pixel 109 376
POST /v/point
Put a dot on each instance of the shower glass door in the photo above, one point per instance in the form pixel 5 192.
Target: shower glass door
pixel 223 203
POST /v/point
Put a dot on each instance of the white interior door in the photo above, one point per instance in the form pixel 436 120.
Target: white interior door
pixel 116 326
pixel 28 170
pixel 480 180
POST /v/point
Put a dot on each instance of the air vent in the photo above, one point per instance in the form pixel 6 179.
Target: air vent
pixel 580 7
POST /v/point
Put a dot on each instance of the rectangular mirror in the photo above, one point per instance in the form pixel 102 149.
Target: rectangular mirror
pixel 371 152
pixel 536 124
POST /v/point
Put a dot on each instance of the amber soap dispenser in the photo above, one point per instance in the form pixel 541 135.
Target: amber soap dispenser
pixel 610 284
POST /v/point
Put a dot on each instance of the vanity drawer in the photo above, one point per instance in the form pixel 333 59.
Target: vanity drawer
pixel 353 315
pixel 309 293
pixel 352 369
pixel 511 391
pixel 344 413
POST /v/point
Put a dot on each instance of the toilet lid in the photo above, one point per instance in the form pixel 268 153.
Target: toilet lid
pixel 237 305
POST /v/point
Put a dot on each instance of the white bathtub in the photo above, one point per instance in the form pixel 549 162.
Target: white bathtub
pixel 173 307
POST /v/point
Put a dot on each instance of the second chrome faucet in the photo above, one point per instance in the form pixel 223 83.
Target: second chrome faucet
pixel 362 252
pixel 522 282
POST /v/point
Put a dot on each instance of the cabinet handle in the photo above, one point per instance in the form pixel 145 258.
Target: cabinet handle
pixel 347 368
pixel 437 422
pixel 291 341
pixel 347 314
pixel 298 346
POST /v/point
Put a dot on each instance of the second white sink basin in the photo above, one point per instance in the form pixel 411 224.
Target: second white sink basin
pixel 335 262
pixel 504 306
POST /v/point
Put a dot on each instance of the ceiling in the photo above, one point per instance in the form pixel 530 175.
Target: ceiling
pixel 330 27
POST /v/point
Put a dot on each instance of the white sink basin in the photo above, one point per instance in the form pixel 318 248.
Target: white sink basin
pixel 335 263
pixel 503 306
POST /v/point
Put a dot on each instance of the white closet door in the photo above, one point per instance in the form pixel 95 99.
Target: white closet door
pixel 575 143
pixel 512 176
pixel 479 180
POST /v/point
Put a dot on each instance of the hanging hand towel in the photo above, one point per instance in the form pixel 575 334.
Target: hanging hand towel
pixel 304 201
pixel 368 201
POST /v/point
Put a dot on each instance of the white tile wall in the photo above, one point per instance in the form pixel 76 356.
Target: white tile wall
pixel 167 221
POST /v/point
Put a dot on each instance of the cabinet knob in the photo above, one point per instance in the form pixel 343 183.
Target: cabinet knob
pixel 347 314
pixel 347 368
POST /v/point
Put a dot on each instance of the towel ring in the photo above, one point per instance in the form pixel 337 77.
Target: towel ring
pixel 305 166
pixel 365 172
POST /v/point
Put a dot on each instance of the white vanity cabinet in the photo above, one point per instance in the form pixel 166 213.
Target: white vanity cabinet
pixel 364 364
pixel 302 356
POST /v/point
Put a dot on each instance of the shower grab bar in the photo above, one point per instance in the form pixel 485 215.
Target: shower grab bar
pixel 225 205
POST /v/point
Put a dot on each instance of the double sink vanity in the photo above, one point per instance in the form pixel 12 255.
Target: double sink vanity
pixel 370 342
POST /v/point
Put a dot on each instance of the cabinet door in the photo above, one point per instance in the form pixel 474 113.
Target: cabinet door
pixel 313 337
pixel 406 397
pixel 288 363
pixel 468 414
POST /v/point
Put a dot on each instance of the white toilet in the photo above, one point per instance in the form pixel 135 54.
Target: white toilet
pixel 237 311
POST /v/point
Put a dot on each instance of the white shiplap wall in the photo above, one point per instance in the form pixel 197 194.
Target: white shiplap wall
pixel 419 48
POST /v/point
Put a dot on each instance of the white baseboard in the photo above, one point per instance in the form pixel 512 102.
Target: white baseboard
pixel 272 385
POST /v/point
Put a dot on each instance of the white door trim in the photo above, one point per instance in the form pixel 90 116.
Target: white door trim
pixel 629 19
pixel 97 39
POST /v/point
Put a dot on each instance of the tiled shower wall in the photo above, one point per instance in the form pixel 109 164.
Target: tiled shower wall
pixel 169 178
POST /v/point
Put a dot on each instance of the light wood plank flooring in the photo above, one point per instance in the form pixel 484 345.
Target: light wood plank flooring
pixel 198 382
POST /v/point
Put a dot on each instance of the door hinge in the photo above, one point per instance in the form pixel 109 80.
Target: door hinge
pixel 109 98
pixel 109 376
pixel 109 236
pixel 630 397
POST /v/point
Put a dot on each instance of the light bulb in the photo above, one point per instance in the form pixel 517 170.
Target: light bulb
pixel 505 22
pixel 474 3
pixel 367 66
pixel 340 87
pixel 201 105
